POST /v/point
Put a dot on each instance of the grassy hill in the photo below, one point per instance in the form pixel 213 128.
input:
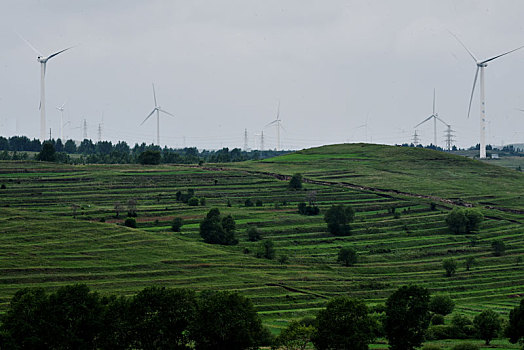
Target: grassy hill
pixel 42 244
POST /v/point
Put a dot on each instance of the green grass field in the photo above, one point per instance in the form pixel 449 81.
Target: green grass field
pixel 42 244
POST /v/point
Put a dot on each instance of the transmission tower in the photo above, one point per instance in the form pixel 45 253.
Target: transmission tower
pixel 84 132
pixel 416 140
pixel 99 132
pixel 245 140
pixel 262 140
pixel 449 137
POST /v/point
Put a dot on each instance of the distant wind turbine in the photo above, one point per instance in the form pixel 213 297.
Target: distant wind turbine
pixel 481 64
pixel 435 117
pixel 61 109
pixel 157 109
pixel 43 61
pixel 278 123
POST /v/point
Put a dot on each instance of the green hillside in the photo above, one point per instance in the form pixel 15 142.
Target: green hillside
pixel 42 244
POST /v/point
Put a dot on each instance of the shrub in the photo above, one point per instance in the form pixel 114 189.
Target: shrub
pixel 437 319
pixel 248 203
pixel 338 218
pixel 3 187
pixel 295 336
pixel 461 220
pixel 203 201
pixel 283 259
pixel 259 203
pixel 193 201
pixel 266 250
pixel 470 262
pixel 176 225
pixel 441 304
pixel 462 327
pixel 439 332
pixel 296 182
pixel 465 346
pixel 253 234
pixel 130 222
pixel 305 209
pixel 431 347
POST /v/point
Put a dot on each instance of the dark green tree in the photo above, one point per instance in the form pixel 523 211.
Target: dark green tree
pixel 253 234
pixel 266 249
pixel 176 225
pixel 515 328
pixel 216 229
pixel 130 222
pixel 226 321
pixel 441 304
pixel 470 262
pixel 296 182
pixel 338 218
pixel 295 336
pixel 149 157
pixel 407 317
pixel 347 256
pixel 487 324
pixel 48 153
pixel 498 247
pixel 344 324
pixel 461 220
pixel 450 265
pixel 161 318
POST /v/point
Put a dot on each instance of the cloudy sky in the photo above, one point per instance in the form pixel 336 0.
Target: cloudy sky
pixel 344 71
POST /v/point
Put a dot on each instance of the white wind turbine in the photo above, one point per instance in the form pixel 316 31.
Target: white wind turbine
pixel 481 64
pixel 43 61
pixel 435 117
pixel 278 125
pixel 61 109
pixel 157 109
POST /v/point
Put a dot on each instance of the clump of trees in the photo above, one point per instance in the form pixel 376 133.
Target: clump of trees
pixel 464 220
pixel 347 256
pixel 218 229
pixel 305 209
pixel 295 183
pixel 338 218
pixel 74 317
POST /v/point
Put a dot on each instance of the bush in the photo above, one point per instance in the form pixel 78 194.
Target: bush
pixel 498 247
pixel 3 187
pixel 176 225
pixel 253 234
pixel 439 332
pixel 248 203
pixel 338 218
pixel 462 327
pixel 465 346
pixel 130 222
pixel 296 182
pixel 441 304
pixel 437 319
pixel 461 220
pixel 203 201
pixel 283 259
pixel 259 203
pixel 347 256
pixel 431 347
pixel 266 250
pixel 305 209
pixel 295 336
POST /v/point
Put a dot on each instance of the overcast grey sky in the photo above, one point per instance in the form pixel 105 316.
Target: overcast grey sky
pixel 222 66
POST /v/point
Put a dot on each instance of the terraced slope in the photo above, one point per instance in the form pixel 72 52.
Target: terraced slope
pixel 41 244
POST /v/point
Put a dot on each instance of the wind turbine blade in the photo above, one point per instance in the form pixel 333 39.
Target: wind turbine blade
pixel 59 52
pixel 518 109
pixel 494 58
pixel 441 120
pixel 464 46
pixel 161 110
pixel 433 101
pixel 154 94
pixel 473 90
pixel 278 110
pixel 150 114
pixel 425 120
pixel 282 127
pixel 273 122
pixel 29 44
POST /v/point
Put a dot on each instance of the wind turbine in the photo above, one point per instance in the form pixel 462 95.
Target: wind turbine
pixel 481 64
pixel 435 117
pixel 157 109
pixel 278 124
pixel 61 109
pixel 43 61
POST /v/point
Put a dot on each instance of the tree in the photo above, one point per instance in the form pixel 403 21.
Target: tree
pixel 149 157
pixel 226 321
pixel 176 225
pixel 48 153
pixel 461 220
pixel 347 256
pixel 267 249
pixel 441 304
pixel 161 318
pixel 296 182
pixel 130 222
pixel 295 336
pixel 487 324
pixel 338 218
pixel 131 207
pixel 216 229
pixel 470 262
pixel 118 208
pixel 407 317
pixel 498 247
pixel 344 324
pixel 515 328
pixel 253 234
pixel 450 265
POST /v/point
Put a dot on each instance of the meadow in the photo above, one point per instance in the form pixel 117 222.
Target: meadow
pixel 58 226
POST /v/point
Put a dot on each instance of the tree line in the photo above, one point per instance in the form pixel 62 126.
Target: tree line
pixel 106 152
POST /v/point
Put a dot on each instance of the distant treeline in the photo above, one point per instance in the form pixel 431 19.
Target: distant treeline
pixel 510 149
pixel 121 153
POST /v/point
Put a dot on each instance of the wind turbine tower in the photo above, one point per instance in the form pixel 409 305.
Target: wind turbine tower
pixel 84 130
pixel 278 125
pixel 245 140
pixel 435 117
pixel 43 61
pixel 61 110
pixel 481 65
pixel 157 109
